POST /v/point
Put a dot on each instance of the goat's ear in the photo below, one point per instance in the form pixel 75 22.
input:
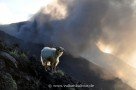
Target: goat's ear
pixel 57 48
pixel 60 48
pixel 63 49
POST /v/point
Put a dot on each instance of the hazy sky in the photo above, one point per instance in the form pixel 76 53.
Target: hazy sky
pixel 19 10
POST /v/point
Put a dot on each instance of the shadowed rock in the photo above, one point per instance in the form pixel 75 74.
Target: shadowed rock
pixel 8 59
pixel 7 82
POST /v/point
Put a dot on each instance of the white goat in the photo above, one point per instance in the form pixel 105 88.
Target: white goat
pixel 50 57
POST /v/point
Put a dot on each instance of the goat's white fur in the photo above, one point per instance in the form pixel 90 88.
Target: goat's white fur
pixel 50 58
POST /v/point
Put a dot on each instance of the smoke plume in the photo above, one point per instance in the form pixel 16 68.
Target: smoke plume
pixel 84 27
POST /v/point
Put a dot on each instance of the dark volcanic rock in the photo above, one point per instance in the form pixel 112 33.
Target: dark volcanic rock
pixel 7 82
pixel 2 64
pixel 8 59
pixel 87 72
pixel 30 75
pixel 23 73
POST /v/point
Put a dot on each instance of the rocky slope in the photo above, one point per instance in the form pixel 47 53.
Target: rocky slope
pixel 20 68
pixel 20 72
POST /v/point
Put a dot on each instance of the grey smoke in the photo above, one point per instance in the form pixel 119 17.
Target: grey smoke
pixel 87 22
pixel 77 30
pixel 84 24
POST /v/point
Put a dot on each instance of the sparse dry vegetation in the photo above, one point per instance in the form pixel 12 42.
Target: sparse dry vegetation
pixel 29 73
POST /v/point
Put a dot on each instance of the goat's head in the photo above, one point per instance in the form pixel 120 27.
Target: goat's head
pixel 59 51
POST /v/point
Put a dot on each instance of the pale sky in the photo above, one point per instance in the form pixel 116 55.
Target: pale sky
pixel 19 10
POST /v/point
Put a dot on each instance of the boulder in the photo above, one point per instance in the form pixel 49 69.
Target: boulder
pixel 8 59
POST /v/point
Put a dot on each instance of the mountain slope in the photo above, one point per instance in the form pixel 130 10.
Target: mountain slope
pixel 79 68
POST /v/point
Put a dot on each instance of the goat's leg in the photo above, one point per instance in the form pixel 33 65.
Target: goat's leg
pixel 55 66
pixel 52 66
pixel 46 66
